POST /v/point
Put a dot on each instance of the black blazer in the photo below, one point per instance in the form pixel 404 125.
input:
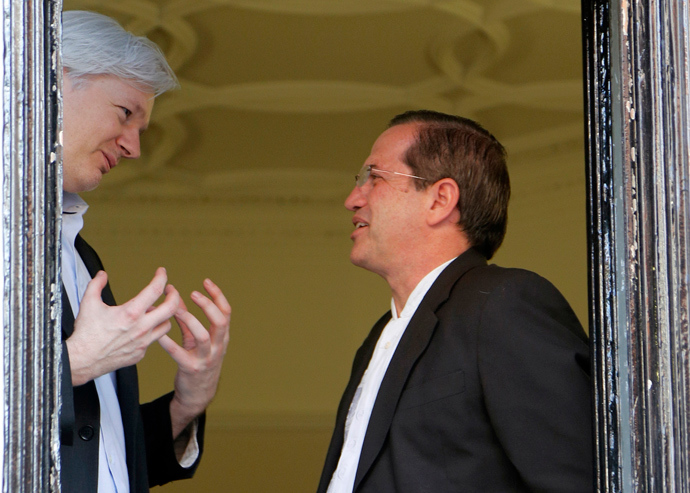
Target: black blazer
pixel 488 391
pixel 148 431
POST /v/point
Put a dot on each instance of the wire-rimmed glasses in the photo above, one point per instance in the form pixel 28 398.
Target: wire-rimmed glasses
pixel 362 177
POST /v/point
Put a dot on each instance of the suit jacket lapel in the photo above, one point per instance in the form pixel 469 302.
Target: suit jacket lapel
pixel 359 366
pixel 67 315
pixel 93 265
pixel 412 345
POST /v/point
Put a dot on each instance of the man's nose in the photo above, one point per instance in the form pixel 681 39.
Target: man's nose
pixel 130 143
pixel 356 200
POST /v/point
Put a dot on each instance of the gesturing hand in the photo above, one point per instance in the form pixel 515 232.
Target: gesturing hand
pixel 107 338
pixel 200 357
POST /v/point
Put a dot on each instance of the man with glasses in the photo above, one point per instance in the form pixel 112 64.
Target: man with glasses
pixel 477 380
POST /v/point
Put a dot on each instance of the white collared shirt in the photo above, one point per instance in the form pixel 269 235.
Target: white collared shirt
pixel 112 458
pixel 365 396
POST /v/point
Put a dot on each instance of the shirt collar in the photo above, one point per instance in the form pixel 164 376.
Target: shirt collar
pixel 73 209
pixel 73 204
pixel 418 293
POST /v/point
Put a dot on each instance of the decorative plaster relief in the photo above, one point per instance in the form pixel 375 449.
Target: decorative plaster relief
pixel 465 78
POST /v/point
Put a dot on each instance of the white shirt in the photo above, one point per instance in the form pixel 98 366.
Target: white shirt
pixel 357 421
pixel 112 458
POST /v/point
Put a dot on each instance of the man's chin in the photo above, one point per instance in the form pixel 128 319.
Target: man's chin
pixel 359 260
pixel 80 186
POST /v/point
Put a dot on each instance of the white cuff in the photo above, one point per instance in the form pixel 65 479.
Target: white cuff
pixel 186 445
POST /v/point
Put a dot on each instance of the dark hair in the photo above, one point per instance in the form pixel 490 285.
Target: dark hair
pixel 449 146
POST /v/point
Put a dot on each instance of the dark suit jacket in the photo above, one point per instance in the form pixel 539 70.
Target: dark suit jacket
pixel 148 431
pixel 488 391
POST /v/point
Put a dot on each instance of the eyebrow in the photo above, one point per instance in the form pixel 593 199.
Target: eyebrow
pixel 135 107
pixel 374 168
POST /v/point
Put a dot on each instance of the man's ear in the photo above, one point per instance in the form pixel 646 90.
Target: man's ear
pixel 444 194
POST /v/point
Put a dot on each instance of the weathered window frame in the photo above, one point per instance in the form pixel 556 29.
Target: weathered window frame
pixel 31 199
pixel 638 173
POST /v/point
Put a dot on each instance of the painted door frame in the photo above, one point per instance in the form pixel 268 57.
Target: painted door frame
pixel 638 178
pixel 637 134
pixel 31 197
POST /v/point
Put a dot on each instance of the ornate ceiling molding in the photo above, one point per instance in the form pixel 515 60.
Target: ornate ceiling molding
pixel 458 83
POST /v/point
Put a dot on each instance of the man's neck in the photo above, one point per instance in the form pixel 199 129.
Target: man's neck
pixel 403 284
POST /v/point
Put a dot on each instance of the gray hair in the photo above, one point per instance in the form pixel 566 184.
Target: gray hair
pixel 94 44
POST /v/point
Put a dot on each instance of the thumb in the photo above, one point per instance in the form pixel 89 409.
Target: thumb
pixel 96 285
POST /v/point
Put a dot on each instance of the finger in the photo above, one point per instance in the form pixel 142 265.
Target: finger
pixel 223 334
pixel 173 349
pixel 160 330
pixel 182 305
pixel 165 310
pixel 202 338
pixel 178 317
pixel 150 294
pixel 167 290
pixel 96 285
pixel 218 297
pixel 219 320
pixel 187 337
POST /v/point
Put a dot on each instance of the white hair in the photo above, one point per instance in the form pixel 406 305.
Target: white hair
pixel 94 44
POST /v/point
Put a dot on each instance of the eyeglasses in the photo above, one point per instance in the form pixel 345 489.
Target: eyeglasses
pixel 362 177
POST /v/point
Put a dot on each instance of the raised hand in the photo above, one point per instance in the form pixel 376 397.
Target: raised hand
pixel 107 338
pixel 200 357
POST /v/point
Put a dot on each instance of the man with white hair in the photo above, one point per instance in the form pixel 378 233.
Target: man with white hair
pixel 109 443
